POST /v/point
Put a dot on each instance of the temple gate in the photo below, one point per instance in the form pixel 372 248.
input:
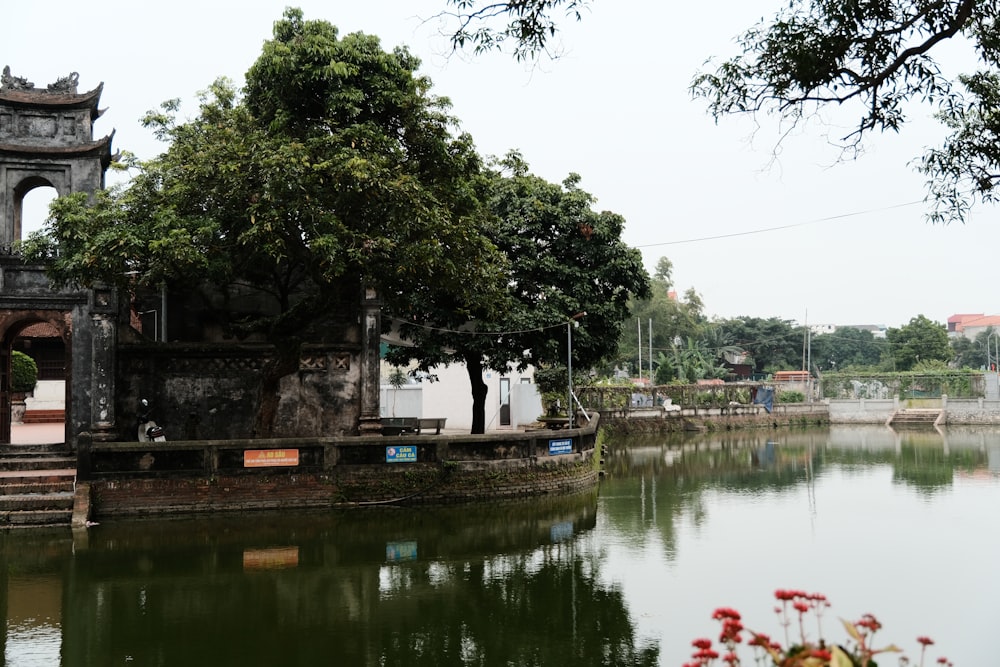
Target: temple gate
pixel 47 140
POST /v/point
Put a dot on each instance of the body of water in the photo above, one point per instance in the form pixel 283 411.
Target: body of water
pixel 900 525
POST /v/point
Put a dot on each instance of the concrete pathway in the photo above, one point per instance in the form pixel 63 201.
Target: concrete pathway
pixel 37 434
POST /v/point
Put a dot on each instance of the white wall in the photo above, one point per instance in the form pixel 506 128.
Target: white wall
pixel 48 395
pixel 407 401
pixel 451 397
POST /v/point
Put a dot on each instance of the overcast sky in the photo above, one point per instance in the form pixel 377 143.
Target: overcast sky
pixel 848 242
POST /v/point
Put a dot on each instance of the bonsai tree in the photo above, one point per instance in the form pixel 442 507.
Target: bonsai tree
pixel 23 372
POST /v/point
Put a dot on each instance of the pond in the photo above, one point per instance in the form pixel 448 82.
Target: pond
pixel 899 525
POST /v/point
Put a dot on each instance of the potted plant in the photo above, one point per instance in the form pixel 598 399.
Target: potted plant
pixel 23 377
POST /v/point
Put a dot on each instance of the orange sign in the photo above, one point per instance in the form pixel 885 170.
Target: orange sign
pixel 270 559
pixel 262 458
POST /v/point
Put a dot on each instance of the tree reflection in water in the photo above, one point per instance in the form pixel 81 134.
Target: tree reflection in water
pixel 497 585
pixel 629 577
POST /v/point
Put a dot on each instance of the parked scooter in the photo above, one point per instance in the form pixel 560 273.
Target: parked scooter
pixel 148 430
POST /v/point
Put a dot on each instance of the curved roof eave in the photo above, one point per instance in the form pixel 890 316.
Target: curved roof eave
pixel 42 98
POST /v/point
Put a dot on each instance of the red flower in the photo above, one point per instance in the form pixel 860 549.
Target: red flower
pixel 822 654
pixel 731 629
pixel 801 607
pixel 926 641
pixel 731 658
pixel 706 653
pixel 702 643
pixel 870 622
pixel 726 612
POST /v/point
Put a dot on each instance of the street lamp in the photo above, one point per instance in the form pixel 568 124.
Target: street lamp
pixel 570 323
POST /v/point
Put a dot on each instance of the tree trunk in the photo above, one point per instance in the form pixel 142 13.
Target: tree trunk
pixel 285 362
pixel 479 389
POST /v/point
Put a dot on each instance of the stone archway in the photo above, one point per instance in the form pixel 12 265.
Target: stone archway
pixel 12 324
pixel 47 140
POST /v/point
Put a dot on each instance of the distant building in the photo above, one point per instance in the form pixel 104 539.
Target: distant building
pixel 971 325
pixel 877 330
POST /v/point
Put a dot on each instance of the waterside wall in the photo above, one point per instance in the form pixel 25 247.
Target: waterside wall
pixel 971 411
pixel 198 476
pixel 665 420
pixel 967 411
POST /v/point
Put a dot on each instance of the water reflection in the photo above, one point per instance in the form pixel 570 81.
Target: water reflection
pixel 927 460
pixel 897 524
pixel 494 585
pixel 893 523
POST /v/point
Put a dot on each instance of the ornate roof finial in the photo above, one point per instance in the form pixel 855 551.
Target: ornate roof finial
pixel 65 84
pixel 10 82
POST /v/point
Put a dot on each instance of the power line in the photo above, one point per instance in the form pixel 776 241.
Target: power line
pixel 511 332
pixel 781 227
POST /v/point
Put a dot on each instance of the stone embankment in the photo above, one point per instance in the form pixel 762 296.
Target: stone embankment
pixel 200 476
pixel 740 416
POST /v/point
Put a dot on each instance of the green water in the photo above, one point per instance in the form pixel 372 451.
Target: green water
pixel 899 525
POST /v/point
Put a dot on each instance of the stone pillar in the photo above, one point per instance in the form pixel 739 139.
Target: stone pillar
pixel 94 347
pixel 371 338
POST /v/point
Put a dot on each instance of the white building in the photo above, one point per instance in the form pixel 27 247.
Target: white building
pixel 512 398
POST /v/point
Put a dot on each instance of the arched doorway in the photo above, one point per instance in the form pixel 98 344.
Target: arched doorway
pixel 31 207
pixel 43 336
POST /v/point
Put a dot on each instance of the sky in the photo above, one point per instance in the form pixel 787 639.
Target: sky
pixel 756 227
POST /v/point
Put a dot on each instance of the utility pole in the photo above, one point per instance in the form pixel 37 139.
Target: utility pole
pixel 638 324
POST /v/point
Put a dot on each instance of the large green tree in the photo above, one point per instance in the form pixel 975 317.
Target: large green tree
pixel 663 316
pixel 920 340
pixel 772 343
pixel 335 168
pixel 846 347
pixel 982 351
pixel 564 260
pixel 874 57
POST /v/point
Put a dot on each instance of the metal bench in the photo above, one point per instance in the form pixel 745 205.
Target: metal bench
pixel 428 423
pixel 399 425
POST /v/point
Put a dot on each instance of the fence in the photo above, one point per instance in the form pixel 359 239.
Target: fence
pixel 884 386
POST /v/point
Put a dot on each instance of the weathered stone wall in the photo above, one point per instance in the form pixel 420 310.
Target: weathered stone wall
pixel 131 478
pixel 974 411
pixel 416 484
pixel 718 419
pixel 212 391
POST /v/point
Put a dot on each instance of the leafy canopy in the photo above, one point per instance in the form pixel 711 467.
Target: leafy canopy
pixel 918 342
pixel 335 166
pixel 564 259
pixel 874 57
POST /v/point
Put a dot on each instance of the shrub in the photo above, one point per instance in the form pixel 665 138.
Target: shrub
pixel 23 372
pixel 791 397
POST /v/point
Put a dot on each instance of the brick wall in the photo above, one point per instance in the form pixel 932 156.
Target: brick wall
pixel 346 486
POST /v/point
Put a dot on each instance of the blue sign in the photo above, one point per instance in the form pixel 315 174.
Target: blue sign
pixel 400 551
pixel 561 532
pixel 563 446
pixel 401 454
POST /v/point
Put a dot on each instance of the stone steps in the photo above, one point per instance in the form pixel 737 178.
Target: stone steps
pixel 43 416
pixel 36 462
pixel 912 417
pixel 37 486
pixel 36 518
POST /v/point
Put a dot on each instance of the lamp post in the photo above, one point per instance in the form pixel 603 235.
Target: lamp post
pixel 570 323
